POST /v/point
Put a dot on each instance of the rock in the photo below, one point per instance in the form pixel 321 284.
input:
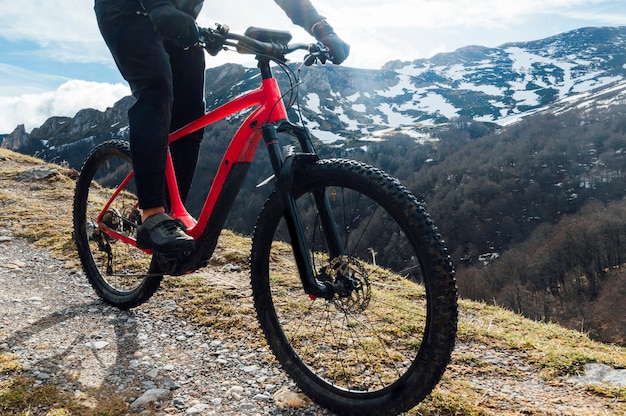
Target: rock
pixel 39 172
pixel 17 139
pixel 246 407
pixel 234 390
pixel 96 345
pixel 150 396
pixel 251 368
pixel 286 398
pixel 601 373
pixel 231 268
pixel 197 409
pixel 179 402
pixel 14 265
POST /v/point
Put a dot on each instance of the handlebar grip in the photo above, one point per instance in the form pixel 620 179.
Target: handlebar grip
pixel 264 41
pixel 310 60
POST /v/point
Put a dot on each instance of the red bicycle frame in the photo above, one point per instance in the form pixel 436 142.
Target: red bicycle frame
pixel 242 148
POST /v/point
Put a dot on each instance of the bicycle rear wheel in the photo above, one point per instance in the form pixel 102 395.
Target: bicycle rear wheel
pixel 381 344
pixel 121 274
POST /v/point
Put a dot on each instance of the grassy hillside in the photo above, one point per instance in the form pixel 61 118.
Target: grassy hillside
pixel 503 364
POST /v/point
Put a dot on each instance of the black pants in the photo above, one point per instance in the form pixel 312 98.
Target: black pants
pixel 168 83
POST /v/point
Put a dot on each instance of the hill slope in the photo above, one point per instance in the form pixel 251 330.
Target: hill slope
pixel 503 364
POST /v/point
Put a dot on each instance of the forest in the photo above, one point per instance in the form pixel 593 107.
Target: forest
pixel 533 214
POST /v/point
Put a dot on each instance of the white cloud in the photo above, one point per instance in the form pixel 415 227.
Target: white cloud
pixel 464 13
pixel 412 29
pixel 17 81
pixel 33 109
pixel 45 21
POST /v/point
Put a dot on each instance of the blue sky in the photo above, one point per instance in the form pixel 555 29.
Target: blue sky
pixel 53 61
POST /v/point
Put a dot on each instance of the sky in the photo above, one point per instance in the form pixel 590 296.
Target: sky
pixel 53 61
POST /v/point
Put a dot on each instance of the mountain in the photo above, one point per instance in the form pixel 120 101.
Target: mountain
pixel 438 101
pixel 493 85
pixel 497 84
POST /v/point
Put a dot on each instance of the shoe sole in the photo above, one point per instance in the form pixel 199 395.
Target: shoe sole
pixel 182 248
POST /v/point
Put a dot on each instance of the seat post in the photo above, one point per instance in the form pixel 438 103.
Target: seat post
pixel 264 67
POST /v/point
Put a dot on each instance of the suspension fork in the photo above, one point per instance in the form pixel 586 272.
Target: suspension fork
pixel 284 170
pixel 329 225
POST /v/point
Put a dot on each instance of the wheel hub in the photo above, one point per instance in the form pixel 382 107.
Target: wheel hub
pixel 349 282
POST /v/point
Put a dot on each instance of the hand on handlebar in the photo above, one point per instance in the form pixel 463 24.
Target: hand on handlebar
pixel 174 25
pixel 339 50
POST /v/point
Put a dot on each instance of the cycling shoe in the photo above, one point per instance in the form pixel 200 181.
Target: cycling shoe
pixel 163 234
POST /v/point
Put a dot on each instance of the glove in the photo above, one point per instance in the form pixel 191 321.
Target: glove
pixel 324 33
pixel 175 25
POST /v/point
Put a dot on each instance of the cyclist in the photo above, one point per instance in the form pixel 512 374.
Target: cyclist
pixel 150 42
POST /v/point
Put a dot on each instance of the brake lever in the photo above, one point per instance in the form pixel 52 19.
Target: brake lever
pixel 317 52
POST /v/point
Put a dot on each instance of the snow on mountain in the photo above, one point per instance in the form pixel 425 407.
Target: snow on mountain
pixel 495 85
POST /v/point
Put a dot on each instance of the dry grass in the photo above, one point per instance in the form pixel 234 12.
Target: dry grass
pixel 527 347
pixel 41 212
pixel 24 396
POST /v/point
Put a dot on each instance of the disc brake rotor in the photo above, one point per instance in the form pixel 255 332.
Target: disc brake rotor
pixel 350 283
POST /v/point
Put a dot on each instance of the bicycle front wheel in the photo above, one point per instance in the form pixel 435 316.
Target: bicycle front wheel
pixel 121 274
pixel 383 340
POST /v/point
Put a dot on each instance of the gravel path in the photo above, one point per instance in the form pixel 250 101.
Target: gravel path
pixel 62 334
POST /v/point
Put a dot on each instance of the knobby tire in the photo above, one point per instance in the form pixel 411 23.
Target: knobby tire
pixel 381 348
pixel 121 275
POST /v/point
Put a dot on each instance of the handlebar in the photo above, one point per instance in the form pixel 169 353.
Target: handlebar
pixel 273 44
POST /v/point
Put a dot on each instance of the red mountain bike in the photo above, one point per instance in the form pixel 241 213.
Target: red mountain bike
pixel 352 283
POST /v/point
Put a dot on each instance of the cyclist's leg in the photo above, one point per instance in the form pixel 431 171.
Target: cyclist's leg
pixel 188 68
pixel 143 61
